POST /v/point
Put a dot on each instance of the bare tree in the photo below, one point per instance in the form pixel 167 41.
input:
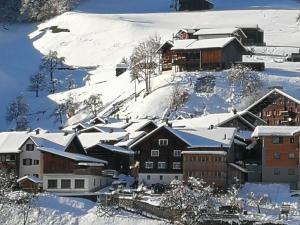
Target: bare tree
pixel 190 201
pixel 67 108
pixel 94 104
pixel 144 60
pixel 17 111
pixel 37 83
pixel 50 64
pixel 178 97
pixel 248 80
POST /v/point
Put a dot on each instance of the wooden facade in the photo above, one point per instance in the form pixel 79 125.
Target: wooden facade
pixel 166 152
pixel 255 36
pixel 277 108
pixel 120 162
pixel 55 164
pixel 206 59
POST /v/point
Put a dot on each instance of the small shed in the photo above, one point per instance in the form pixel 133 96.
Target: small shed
pixel 30 184
pixel 121 68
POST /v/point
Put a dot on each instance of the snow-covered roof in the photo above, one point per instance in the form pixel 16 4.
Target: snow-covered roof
pixel 31 178
pixel 105 119
pixel 275 131
pixel 211 43
pixel 133 137
pixel 59 141
pixel 10 142
pixel 73 127
pixel 182 44
pixel 239 168
pixel 202 137
pixel 89 139
pixel 275 90
pixel 212 31
pixel 103 129
pixel 136 126
pixel 122 66
pixel 117 149
pixel 205 152
pixel 120 124
pixel 73 156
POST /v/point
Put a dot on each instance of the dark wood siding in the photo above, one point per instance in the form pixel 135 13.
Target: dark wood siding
pixel 75 147
pixel 165 152
pixel 116 161
pixel 277 109
pixel 57 164
pixel 231 53
pixel 211 56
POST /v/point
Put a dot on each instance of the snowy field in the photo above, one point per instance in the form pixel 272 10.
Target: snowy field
pixel 53 210
pixel 98 38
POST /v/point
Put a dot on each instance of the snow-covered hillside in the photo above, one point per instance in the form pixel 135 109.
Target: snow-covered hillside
pixel 100 38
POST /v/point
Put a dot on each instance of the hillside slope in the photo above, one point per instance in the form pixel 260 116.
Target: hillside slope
pixel 101 40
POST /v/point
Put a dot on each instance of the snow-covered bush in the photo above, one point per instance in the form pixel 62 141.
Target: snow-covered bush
pixel 190 201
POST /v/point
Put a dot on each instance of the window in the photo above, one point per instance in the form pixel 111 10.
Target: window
pixel 149 165
pixel 52 184
pixel 276 155
pixel 161 165
pixel 36 162
pixel 161 177
pixel 154 153
pixel 176 165
pixel 29 147
pixel 163 142
pixel 292 140
pixel 12 157
pixel 148 177
pixel 291 155
pixel 177 153
pixel 79 184
pixel 277 140
pixel 291 172
pixel 27 162
pixel 276 171
pixel 65 184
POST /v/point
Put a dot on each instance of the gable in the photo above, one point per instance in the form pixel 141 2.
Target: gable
pixel 153 137
pixel 75 146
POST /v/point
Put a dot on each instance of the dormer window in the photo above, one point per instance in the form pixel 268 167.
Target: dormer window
pixel 29 147
pixel 163 142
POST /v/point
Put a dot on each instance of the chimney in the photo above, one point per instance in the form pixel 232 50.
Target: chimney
pixel 211 127
pixel 106 121
pixel 66 133
pixel 118 116
pixel 127 120
pixel 37 131
pixel 234 111
pixel 225 136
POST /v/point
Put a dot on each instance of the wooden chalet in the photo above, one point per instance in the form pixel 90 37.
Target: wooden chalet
pixel 166 154
pixel 185 34
pixel 217 53
pixel 30 184
pixel 277 108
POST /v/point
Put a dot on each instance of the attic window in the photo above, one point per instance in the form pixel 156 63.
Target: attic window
pixel 277 140
pixel 163 142
pixel 29 147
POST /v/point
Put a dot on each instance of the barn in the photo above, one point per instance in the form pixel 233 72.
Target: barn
pixel 217 53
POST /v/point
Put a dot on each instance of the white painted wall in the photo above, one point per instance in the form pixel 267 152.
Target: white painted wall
pixel 34 155
pixel 155 178
pixel 89 185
